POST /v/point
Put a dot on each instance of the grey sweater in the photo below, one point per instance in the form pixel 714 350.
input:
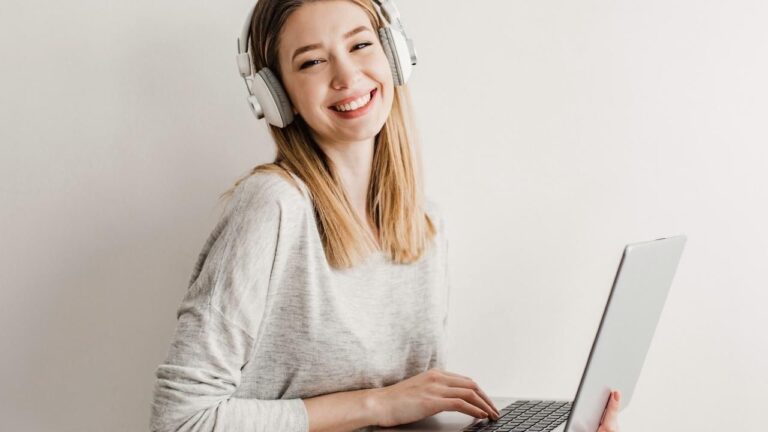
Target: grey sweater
pixel 266 321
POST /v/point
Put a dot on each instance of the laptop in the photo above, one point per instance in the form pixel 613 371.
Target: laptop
pixel 618 352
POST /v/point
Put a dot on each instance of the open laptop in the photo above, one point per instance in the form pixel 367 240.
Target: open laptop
pixel 626 329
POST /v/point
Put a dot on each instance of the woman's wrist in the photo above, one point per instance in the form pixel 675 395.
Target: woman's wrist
pixel 343 411
pixel 372 405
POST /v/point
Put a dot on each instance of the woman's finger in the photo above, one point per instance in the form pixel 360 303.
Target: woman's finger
pixel 456 380
pixel 460 405
pixel 470 396
pixel 454 374
pixel 487 398
pixel 610 422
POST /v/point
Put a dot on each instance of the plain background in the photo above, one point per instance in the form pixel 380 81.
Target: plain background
pixel 553 133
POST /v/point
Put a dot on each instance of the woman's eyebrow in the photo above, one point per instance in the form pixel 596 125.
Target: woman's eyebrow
pixel 347 35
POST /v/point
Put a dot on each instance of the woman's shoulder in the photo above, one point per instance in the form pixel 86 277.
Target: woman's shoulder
pixel 266 189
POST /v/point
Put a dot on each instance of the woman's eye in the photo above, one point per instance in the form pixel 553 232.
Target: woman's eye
pixel 312 62
pixel 307 64
pixel 364 43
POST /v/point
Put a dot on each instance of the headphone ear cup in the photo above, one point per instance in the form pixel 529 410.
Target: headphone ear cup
pixel 272 99
pixel 398 55
pixel 388 51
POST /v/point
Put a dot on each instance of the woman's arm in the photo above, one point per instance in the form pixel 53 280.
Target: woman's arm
pixel 340 412
pixel 195 385
pixel 218 321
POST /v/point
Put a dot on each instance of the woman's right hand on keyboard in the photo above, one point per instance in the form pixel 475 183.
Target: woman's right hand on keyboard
pixel 427 394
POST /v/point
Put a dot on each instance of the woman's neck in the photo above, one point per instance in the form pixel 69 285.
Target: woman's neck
pixel 353 162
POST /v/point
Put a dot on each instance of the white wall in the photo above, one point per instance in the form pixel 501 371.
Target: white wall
pixel 569 129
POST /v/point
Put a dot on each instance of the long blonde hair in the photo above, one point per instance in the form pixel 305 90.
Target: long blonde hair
pixel 395 199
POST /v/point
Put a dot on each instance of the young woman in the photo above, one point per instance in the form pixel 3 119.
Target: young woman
pixel 319 301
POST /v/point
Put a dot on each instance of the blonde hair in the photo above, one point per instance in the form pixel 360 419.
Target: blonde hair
pixel 394 201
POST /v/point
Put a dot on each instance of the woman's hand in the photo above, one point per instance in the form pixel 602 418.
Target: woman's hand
pixel 427 394
pixel 610 422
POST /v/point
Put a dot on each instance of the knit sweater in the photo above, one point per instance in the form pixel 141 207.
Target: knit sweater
pixel 266 322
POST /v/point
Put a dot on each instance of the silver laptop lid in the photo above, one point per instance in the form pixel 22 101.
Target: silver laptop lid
pixel 626 329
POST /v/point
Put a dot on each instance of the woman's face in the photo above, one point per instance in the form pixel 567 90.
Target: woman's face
pixel 339 67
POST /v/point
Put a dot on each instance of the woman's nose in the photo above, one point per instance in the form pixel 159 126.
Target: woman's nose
pixel 346 73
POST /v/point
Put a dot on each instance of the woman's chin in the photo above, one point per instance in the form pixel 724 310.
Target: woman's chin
pixel 359 127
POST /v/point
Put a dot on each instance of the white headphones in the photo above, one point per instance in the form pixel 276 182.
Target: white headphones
pixel 266 95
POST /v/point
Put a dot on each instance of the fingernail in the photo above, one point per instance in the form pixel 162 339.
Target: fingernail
pixel 615 396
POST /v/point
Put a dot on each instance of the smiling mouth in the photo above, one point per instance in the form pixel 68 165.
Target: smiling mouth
pixel 370 98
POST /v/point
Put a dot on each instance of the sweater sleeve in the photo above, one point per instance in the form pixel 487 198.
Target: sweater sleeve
pixel 442 236
pixel 217 328
pixel 448 285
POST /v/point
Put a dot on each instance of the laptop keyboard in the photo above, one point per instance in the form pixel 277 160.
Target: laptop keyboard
pixel 526 415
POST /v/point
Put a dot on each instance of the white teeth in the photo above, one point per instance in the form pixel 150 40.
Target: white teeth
pixel 355 104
